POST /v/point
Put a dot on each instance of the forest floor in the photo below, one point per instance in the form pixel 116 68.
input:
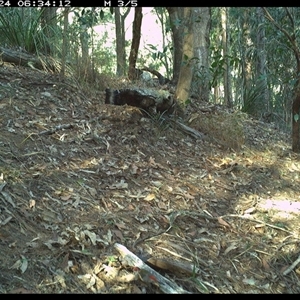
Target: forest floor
pixel 78 176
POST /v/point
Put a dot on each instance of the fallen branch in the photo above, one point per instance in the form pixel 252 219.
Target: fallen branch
pixel 147 274
pixel 189 130
pixel 292 266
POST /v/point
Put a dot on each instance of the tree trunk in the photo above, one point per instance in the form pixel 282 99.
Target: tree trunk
pixel 201 17
pixel 176 15
pixel 120 40
pixel 295 123
pixel 183 87
pixel 261 104
pixel 296 104
pixel 85 61
pixel 162 16
pixel 65 42
pixel 136 36
pixel 49 22
pixel 246 62
pixel 225 46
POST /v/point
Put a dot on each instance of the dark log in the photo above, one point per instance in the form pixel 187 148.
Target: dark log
pixel 19 58
pixel 23 58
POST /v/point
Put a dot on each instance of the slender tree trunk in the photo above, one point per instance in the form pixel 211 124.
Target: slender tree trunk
pixel 49 22
pixel 225 46
pixel 84 42
pixel 136 36
pixel 65 41
pixel 176 15
pixel 120 40
pixel 296 105
pixel 162 16
pixel 246 62
pixel 296 120
pixel 261 77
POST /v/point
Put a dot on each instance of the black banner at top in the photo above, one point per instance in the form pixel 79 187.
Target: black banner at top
pixel 75 3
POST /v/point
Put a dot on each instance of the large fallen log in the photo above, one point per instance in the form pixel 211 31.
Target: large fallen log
pixel 23 58
pixel 19 57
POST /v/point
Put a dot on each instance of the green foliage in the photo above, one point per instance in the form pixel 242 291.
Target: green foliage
pixel 21 28
pixel 92 16
pixel 217 65
pixel 160 58
pixel 252 98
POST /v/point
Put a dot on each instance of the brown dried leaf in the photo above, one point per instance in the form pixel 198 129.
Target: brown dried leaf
pixel 265 265
pixel 222 222
pixel 118 234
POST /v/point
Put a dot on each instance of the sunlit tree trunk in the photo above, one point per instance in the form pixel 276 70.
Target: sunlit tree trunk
pixel 186 71
pixel 201 17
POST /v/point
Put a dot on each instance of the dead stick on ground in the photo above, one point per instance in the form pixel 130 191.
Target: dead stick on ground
pixel 292 266
pixel 147 274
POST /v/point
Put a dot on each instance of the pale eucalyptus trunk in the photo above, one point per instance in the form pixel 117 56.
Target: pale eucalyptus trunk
pixel 201 17
pixel 195 61
pixel 226 54
pixel 183 87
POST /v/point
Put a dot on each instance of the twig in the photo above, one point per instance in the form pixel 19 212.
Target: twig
pixel 292 266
